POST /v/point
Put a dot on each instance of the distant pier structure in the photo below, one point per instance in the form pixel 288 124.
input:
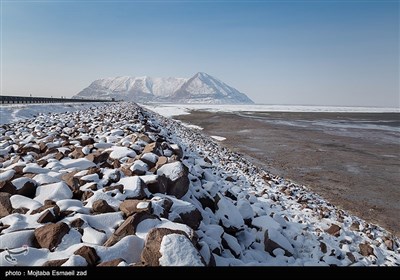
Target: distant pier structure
pixel 5 99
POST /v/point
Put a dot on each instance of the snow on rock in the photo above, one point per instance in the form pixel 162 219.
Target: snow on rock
pixel 55 192
pixel 93 236
pixel 177 250
pixel 134 187
pixel 228 214
pixel 273 239
pixel 17 239
pixel 18 201
pixel 71 205
pixel 34 168
pixel 172 170
pixel 120 152
pixel 114 203
pixel 6 175
pixel 19 183
pixel 50 177
pixel 128 248
pixel 77 164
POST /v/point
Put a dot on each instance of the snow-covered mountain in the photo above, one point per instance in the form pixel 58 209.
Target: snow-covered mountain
pixel 201 88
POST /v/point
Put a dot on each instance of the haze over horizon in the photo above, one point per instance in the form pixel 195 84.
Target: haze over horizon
pixel 343 53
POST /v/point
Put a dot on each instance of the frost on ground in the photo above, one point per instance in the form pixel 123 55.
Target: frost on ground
pixel 119 185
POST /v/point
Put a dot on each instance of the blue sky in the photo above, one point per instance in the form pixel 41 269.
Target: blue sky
pixel 277 52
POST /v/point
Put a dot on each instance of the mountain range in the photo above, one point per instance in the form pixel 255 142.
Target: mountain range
pixel 201 88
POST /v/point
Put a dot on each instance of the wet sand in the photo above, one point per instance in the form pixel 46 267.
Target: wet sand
pixel 350 159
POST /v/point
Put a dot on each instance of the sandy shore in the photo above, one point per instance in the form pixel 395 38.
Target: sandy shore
pixel 356 169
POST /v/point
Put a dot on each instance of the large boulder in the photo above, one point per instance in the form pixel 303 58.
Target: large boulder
pixel 168 247
pixel 177 175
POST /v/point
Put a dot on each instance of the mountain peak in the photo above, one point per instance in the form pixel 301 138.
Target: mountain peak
pixel 201 88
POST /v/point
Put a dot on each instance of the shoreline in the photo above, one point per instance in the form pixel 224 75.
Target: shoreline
pixel 358 180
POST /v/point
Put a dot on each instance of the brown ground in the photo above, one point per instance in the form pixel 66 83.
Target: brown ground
pixel 355 169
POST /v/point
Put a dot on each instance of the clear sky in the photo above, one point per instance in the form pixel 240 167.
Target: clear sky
pixel 277 52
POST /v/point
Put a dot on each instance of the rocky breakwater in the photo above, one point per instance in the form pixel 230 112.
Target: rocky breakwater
pixel 120 186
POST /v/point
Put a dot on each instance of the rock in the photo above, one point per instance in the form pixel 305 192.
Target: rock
pixel 41 208
pixel 273 239
pixel 114 262
pixel 229 242
pixel 323 247
pixel 366 250
pixel 59 156
pixel 334 230
pixel 89 254
pixel 55 262
pixel 56 191
pixel 206 200
pixel 5 204
pixel 50 235
pixel 151 251
pixel 21 210
pixel 132 206
pixel 101 206
pixel 120 188
pixel 139 168
pixel 134 187
pixel 125 169
pixel 77 223
pixel 355 226
pixel 7 187
pixel 150 159
pixel 130 224
pixel 152 148
pixel 228 215
pixel 86 195
pixel 28 187
pixel 77 153
pixel 192 219
pixel 70 180
pixel 87 141
pixel 161 206
pixel 6 176
pixel 177 175
pixel 230 179
pixel 160 162
pixel 145 138
pixel 351 257
pixel 128 227
pixel 389 244
pixel 177 150
pixel 158 186
pixel 46 217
